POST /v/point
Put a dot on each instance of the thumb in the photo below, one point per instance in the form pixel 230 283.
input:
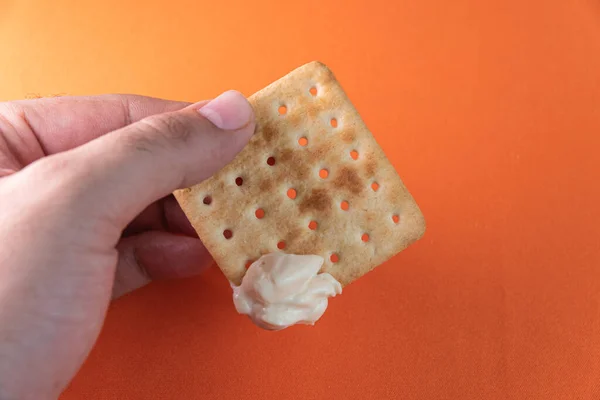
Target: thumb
pixel 121 173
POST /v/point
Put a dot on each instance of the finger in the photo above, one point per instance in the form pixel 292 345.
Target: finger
pixel 117 175
pixel 164 215
pixel 61 123
pixel 175 219
pixel 151 219
pixel 157 255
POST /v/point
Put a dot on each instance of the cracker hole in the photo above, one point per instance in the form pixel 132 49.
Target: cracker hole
pixel 207 200
pixel 313 91
pixel 313 225
pixel 227 234
pixel 271 161
pixel 303 141
pixel 323 173
pixel 375 186
pixel 395 218
pixel 333 122
pixel 281 245
pixel 260 213
pixel 282 110
pixel 291 193
pixel 365 237
pixel 334 258
pixel 344 205
pixel 239 181
pixel 354 154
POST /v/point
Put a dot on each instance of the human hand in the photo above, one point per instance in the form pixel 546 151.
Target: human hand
pixel 86 215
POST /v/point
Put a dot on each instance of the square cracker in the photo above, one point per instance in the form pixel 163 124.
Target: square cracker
pixel 364 214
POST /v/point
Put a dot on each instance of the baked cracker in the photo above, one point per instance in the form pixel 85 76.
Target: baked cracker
pixel 356 215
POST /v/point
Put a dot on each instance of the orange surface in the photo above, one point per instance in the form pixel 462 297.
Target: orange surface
pixel 490 110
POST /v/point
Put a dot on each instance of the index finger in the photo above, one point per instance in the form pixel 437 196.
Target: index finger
pixel 62 123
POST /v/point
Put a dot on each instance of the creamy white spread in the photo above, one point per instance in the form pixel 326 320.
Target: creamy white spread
pixel 280 290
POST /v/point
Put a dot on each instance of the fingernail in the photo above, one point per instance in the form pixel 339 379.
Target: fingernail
pixel 229 111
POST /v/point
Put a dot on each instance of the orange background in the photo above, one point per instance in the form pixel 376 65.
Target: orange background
pixel 490 110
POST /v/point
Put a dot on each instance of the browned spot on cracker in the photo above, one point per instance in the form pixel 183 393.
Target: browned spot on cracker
pixel 317 200
pixel 292 237
pixel 295 119
pixel 266 185
pixel 312 112
pixel 370 164
pixel 347 178
pixel 313 109
pixel 269 132
pixel 319 153
pixel 348 135
pixel 286 155
pixel 301 173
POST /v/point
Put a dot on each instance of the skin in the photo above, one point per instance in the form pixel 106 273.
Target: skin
pixel 86 216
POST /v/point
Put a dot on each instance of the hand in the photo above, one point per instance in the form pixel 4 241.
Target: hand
pixel 86 215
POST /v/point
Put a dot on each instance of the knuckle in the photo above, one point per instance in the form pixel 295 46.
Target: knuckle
pixel 157 132
pixel 7 114
pixel 169 127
